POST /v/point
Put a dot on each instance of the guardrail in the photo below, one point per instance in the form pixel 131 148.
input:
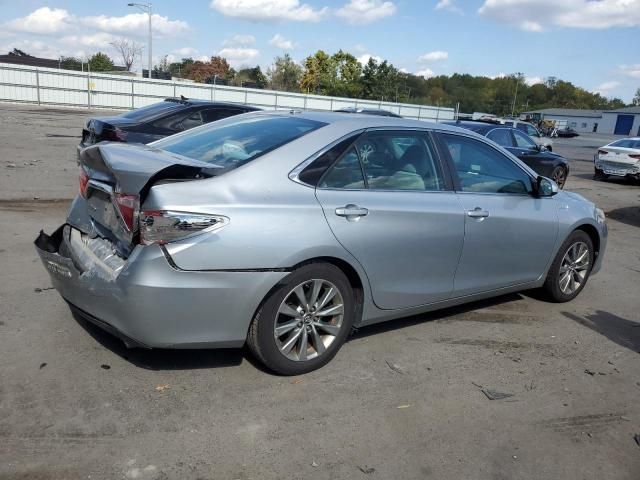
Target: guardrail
pixel 49 86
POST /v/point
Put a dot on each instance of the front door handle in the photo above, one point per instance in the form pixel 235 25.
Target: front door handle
pixel 351 211
pixel 477 213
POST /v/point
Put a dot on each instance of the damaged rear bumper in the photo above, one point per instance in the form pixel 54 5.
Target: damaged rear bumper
pixel 147 302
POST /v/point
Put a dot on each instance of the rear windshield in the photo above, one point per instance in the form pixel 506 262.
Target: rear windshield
pixel 235 141
pixel 152 111
pixel 626 143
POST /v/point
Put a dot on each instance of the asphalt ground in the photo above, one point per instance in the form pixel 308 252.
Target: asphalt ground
pixel 402 400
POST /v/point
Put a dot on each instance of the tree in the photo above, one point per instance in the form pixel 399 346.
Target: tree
pixel 202 71
pixel 284 74
pixel 348 71
pixel 19 53
pixel 636 98
pixel 128 51
pixel 319 74
pixel 252 77
pixel 163 65
pixel 71 63
pixel 100 62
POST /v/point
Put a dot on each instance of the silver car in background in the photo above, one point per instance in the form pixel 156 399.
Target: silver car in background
pixel 286 230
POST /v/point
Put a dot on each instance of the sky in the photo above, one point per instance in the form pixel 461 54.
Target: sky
pixel 592 43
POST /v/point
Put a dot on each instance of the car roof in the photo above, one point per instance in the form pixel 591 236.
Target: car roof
pixel 198 102
pixel 357 120
pixel 478 126
pixel 368 111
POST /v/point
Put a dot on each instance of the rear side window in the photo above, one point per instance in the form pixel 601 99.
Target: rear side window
pixel 501 136
pixel 312 173
pixel 387 161
pixel 233 142
pixel 483 169
pixel 213 114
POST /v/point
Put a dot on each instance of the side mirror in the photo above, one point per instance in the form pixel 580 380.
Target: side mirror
pixel 545 187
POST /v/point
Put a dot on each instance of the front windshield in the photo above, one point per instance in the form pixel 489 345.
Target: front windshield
pixel 236 141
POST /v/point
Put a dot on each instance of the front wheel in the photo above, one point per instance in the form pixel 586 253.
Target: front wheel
pixel 571 268
pixel 559 175
pixel 599 174
pixel 304 321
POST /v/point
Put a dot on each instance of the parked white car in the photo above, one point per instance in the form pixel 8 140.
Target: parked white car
pixel 620 158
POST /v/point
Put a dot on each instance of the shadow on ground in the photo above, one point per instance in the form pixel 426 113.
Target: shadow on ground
pixel 624 332
pixel 628 215
pixel 188 359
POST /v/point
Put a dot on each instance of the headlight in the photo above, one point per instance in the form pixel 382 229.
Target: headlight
pixel 599 214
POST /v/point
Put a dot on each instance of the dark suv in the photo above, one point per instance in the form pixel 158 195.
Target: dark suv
pixel 158 120
pixel 542 161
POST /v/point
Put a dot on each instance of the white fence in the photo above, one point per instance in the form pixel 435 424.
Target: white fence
pixel 49 86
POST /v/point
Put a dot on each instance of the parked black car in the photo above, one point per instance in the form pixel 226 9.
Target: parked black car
pixel 159 120
pixel 567 132
pixel 542 161
pixel 368 111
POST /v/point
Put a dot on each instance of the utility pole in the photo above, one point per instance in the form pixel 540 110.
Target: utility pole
pixel 146 7
pixel 515 96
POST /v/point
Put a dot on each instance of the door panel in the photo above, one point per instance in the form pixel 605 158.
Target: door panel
pixel 509 234
pixel 408 242
pixel 512 245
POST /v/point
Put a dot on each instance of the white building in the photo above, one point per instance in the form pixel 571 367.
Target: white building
pixel 623 121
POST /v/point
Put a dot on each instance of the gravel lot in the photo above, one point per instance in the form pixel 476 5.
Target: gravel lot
pixel 400 401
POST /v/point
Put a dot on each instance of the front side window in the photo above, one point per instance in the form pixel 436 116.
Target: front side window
pixel 233 142
pixel 501 136
pixel 483 169
pixel 532 132
pixel 193 120
pixel 523 141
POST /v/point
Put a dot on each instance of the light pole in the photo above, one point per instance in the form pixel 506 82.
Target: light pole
pixel 145 7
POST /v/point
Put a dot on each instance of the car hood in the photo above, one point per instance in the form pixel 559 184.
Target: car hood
pixel 565 195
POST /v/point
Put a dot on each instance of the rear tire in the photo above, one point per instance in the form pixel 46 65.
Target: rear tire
pixel 559 175
pixel 291 335
pixel 570 269
pixel 599 174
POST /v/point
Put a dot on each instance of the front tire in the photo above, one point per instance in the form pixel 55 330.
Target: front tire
pixel 304 321
pixel 599 174
pixel 571 268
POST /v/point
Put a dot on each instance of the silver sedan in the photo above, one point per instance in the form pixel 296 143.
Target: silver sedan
pixel 285 230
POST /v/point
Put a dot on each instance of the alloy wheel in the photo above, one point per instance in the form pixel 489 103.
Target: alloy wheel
pixel 559 176
pixel 574 268
pixel 308 320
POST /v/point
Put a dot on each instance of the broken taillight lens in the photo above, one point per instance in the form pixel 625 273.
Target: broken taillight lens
pixel 163 226
pixel 128 206
pixel 84 182
pixel 602 152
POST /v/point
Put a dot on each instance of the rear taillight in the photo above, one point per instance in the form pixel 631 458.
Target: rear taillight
pixel 114 135
pixel 84 181
pixel 128 206
pixel 635 157
pixel 602 152
pixel 163 226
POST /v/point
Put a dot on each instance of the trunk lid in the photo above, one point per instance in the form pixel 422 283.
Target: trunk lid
pixel 619 155
pixel 119 170
pixel 105 128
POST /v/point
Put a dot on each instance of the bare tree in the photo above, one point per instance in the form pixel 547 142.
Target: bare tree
pixel 128 51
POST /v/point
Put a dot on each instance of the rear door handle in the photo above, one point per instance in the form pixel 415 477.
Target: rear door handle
pixel 352 211
pixel 477 213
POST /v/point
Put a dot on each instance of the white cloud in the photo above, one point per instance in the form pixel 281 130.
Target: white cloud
pixel 362 12
pixel 185 51
pixel 269 10
pixel 240 41
pixel 532 15
pixel 364 58
pixel 425 73
pixel 533 80
pixel 280 42
pixel 500 75
pixel 606 87
pixel 43 21
pixel 239 56
pixel 433 56
pixel 632 71
pixel 450 6
pixel 34 47
pixel 94 42
pixel 136 23
pixel 403 70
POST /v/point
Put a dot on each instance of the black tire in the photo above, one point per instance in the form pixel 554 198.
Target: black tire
pixel 559 175
pixel 599 174
pixel 550 148
pixel 551 286
pixel 261 337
